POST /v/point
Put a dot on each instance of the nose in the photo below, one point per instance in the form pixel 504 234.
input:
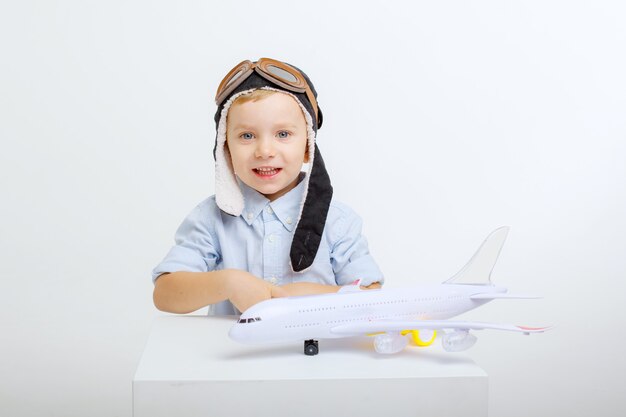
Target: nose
pixel 265 148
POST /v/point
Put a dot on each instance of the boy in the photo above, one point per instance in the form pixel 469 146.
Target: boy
pixel 269 230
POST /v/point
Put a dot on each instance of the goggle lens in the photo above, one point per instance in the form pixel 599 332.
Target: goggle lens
pixel 282 74
pixel 235 77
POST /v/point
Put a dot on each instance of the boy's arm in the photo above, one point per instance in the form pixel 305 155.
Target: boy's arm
pixel 349 255
pixel 309 288
pixel 183 292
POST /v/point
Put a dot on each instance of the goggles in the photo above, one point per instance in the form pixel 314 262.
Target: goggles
pixel 272 70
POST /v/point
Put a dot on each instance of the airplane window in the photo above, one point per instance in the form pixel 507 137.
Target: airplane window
pixel 242 321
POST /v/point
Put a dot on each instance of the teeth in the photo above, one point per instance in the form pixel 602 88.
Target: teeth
pixel 266 169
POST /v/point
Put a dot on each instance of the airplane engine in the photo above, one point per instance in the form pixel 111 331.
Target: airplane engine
pixel 390 342
pixel 458 340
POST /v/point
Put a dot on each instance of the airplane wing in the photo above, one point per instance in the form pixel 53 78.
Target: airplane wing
pixel 375 326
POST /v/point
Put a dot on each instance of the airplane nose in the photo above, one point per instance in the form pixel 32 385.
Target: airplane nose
pixel 248 333
pixel 236 333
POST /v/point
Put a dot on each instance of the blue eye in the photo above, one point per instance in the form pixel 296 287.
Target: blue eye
pixel 280 134
pixel 246 136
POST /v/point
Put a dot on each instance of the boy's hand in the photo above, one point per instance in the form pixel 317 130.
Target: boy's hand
pixel 308 288
pixel 245 290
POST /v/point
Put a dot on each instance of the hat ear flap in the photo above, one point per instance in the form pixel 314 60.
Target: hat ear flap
pixel 228 195
pixel 308 234
pixel 320 117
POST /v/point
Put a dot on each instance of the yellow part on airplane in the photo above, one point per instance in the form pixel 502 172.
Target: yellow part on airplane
pixel 416 337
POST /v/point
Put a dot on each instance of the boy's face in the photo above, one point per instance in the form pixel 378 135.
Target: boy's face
pixel 267 140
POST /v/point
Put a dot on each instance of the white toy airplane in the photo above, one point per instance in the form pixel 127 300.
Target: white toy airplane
pixel 388 313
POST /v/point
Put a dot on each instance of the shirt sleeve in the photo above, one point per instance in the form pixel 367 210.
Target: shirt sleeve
pixel 350 257
pixel 195 249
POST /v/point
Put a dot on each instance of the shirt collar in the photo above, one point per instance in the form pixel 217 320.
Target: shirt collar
pixel 286 207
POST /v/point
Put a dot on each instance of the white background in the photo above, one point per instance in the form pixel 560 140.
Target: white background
pixel 443 121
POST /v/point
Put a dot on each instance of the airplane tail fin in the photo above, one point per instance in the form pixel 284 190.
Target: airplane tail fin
pixel 478 269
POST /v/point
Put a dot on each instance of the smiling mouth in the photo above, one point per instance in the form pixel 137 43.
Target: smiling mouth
pixel 266 171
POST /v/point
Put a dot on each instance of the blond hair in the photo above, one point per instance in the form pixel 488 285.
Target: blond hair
pixel 255 95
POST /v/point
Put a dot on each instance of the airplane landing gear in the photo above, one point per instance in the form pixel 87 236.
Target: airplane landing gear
pixel 311 347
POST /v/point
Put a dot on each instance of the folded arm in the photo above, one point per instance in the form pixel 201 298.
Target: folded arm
pixel 309 288
pixel 184 292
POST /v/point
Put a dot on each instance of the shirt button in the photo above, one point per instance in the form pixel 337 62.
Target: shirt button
pixel 273 280
pixel 269 210
pixel 271 238
pixel 250 216
pixel 289 220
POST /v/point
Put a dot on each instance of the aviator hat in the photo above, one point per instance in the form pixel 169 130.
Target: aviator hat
pixel 266 74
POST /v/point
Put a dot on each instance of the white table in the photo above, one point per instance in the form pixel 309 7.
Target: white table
pixel 190 367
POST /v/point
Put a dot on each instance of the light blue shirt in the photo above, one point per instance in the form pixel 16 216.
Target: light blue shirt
pixel 259 241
